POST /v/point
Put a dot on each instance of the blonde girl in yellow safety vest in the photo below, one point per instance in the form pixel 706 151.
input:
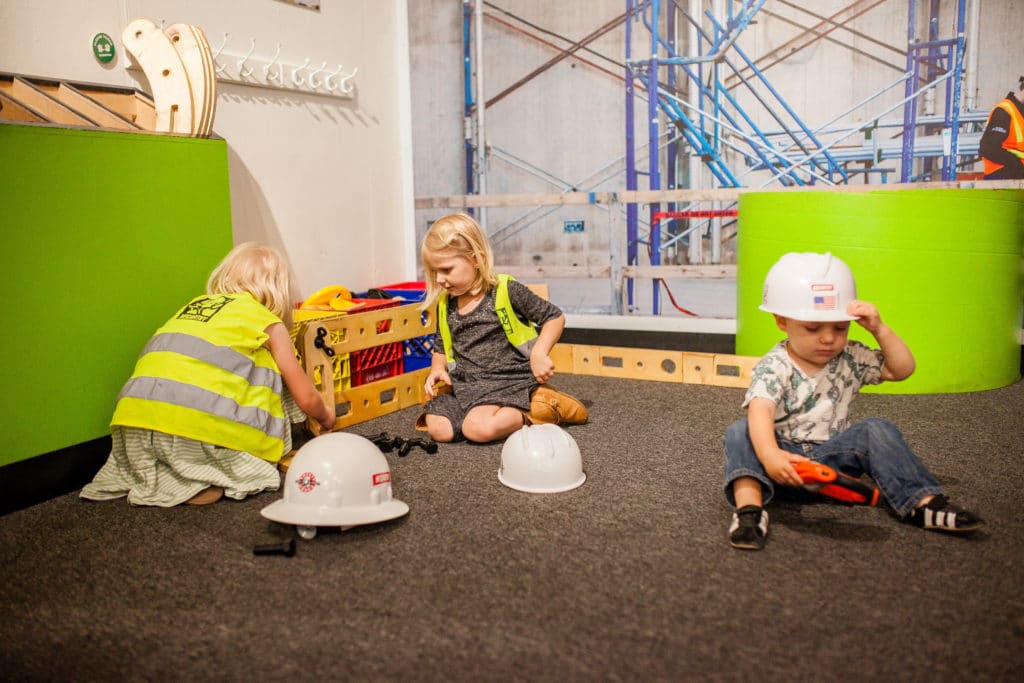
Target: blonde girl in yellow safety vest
pixel 204 413
pixel 491 355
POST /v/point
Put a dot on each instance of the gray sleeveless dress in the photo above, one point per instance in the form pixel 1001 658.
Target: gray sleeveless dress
pixel 488 369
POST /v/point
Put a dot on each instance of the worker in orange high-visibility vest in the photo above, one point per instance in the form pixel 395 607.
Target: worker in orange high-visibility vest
pixel 1002 144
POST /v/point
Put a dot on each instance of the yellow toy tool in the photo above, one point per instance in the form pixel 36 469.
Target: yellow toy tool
pixel 332 298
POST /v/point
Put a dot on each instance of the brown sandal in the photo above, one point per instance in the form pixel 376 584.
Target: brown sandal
pixel 211 494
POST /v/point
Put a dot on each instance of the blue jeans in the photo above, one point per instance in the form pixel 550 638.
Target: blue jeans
pixel 873 446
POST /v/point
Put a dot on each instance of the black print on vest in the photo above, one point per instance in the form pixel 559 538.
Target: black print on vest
pixel 201 310
pixel 506 324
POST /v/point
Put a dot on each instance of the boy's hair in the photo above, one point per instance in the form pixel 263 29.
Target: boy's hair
pixel 257 269
pixel 457 235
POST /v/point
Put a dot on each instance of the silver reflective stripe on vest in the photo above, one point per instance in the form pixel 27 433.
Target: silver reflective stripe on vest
pixel 526 347
pixel 191 396
pixel 220 356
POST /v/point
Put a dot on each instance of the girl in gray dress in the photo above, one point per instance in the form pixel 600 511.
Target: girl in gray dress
pixel 490 361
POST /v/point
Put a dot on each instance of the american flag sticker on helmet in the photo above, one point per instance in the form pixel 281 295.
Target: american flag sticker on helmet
pixel 824 303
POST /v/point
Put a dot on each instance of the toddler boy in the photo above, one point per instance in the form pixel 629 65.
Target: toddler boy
pixel 799 400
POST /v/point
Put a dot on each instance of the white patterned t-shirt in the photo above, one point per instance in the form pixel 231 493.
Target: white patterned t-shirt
pixel 813 409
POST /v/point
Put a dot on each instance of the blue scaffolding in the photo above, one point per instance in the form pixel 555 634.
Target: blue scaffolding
pixel 713 125
pixel 942 62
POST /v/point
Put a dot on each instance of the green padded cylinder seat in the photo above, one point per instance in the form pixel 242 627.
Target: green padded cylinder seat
pixel 944 267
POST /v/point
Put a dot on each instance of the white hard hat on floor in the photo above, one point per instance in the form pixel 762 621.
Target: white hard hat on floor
pixel 809 286
pixel 336 479
pixel 541 458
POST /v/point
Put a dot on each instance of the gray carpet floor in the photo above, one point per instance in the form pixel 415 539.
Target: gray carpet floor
pixel 626 578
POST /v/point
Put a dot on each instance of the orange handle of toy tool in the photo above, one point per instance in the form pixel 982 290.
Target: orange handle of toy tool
pixel 814 472
pixel 850 490
pixel 828 482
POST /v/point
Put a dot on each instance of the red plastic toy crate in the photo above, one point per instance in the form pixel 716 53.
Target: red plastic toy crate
pixel 376 363
pixel 372 305
pixel 420 284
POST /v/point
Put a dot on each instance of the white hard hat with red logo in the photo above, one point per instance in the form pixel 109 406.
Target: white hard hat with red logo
pixel 336 479
pixel 809 286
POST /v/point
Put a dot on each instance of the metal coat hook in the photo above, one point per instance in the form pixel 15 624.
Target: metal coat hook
pixel 216 55
pixel 311 79
pixel 298 81
pixel 242 70
pixel 266 68
pixel 329 78
pixel 346 87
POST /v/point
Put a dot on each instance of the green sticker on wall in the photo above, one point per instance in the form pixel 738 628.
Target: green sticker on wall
pixel 103 47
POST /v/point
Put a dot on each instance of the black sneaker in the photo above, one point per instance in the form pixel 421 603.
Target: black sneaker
pixel 941 515
pixel 749 528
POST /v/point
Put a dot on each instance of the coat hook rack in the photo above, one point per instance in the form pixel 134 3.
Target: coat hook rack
pixel 249 69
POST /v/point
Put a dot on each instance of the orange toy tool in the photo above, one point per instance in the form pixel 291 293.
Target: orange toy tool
pixel 828 482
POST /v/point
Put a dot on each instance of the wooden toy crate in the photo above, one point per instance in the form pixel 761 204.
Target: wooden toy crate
pixel 365 334
pixel 302 315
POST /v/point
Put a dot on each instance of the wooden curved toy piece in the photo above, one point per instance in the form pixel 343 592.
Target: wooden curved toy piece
pixel 172 93
pixel 194 50
pixel 829 482
pixel 211 79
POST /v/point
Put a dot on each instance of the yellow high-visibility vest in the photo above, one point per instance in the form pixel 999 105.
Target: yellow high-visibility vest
pixel 206 375
pixel 519 334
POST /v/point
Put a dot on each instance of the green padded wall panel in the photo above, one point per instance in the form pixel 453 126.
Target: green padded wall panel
pixel 104 236
pixel 943 266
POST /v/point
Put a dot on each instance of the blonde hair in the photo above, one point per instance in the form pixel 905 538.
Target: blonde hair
pixel 256 269
pixel 457 235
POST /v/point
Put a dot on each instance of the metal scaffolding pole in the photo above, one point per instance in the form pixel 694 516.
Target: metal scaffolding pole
pixel 468 103
pixel 942 61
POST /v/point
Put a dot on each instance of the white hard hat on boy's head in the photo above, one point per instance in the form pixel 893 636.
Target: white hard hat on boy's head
pixel 809 286
pixel 336 479
pixel 541 458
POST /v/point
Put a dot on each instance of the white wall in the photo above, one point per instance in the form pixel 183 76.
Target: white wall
pixel 326 180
